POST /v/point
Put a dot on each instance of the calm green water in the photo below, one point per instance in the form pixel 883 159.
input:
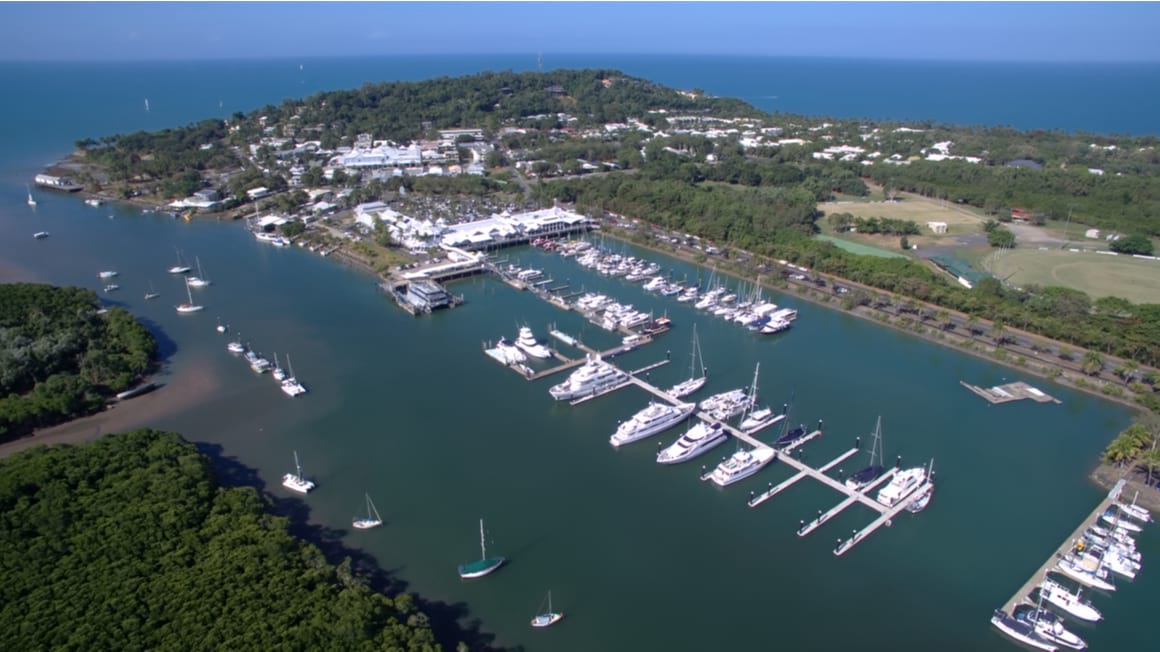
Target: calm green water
pixel 638 556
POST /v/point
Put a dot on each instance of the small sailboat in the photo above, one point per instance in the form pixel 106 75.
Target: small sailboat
pixel 549 617
pixel 296 481
pixel 694 382
pixel 290 385
pixel 221 328
pixel 865 476
pixel 184 308
pixel 146 105
pixel 200 280
pixel 371 520
pixel 152 293
pixel 484 565
pixel 180 267
pixel 31 200
pixel 278 372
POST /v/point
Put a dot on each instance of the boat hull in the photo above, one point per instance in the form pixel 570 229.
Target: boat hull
pixel 547 620
pixel 474 569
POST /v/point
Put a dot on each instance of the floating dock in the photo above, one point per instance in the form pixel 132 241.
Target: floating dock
pixel 1024 592
pixel 1010 392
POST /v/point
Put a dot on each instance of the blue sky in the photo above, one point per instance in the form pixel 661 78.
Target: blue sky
pixel 957 31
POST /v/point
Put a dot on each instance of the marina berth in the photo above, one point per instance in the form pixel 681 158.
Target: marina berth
pixel 528 344
pixel 1135 511
pixel 1087 571
pixel 725 405
pixel 654 419
pixel 1112 517
pixel 697 440
pixel 902 485
pixel 1049 626
pixel 510 352
pixel 875 468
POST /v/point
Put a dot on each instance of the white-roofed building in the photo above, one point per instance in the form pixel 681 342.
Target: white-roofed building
pixel 503 229
pixel 382 155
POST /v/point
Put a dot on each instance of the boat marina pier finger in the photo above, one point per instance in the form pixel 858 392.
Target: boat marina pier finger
pixel 806 528
pixel 886 518
pixel 761 498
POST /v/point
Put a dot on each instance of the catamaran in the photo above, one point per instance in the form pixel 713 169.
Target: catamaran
pixel 694 382
pixel 654 419
pixel 291 386
pixel 190 306
pixel 200 280
pixel 865 476
pixel 697 440
pixel 549 617
pixel 484 565
pixel 296 481
pixel 371 520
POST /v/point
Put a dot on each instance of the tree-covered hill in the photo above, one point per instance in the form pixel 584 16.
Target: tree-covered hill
pixel 60 358
pixel 129 543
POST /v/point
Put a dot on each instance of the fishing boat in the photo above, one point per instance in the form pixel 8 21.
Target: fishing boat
pixel 290 386
pixel 484 565
pixel 190 306
pixel 697 440
pixel 152 293
pixel 200 280
pixel 875 469
pixel 1022 631
pixel 40 235
pixel 1048 625
pixel 1071 603
pixel 371 520
pixel 694 382
pixel 549 617
pixel 31 200
pixel 296 481
pixel 180 267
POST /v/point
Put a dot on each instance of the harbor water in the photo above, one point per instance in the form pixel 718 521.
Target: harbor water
pixel 639 556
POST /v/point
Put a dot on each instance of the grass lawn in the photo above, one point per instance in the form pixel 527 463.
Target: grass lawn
pixel 861 249
pixel 1099 275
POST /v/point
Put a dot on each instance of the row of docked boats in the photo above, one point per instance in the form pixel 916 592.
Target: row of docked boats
pixel 287 381
pixel 753 312
pixel 1102 551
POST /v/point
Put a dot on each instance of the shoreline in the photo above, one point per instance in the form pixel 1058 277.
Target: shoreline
pixel 969 346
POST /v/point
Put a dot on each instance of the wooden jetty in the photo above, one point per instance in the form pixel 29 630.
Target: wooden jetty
pixel 1010 392
pixel 1024 592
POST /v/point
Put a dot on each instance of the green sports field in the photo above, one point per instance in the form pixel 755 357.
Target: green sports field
pixel 860 249
pixel 1098 275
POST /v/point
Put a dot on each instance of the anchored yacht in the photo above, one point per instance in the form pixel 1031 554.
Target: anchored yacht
pixel 654 419
pixel 595 375
pixel 697 440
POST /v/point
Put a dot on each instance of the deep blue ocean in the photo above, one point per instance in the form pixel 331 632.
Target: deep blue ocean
pixel 51 105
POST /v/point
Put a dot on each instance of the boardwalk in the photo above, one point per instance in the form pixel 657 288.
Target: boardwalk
pixel 1024 592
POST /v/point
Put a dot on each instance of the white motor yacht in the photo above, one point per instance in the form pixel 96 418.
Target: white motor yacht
pixel 741 465
pixel 699 439
pixel 511 354
pixel 1070 603
pixel 527 342
pixel 726 405
pixel 654 419
pixel 593 376
pixel 902 485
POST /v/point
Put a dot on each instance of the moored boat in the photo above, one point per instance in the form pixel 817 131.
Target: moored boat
pixel 484 565
pixel 741 465
pixel 902 485
pixel 1049 626
pixel 593 376
pixel 296 481
pixel 697 440
pixel 654 419
pixel 528 344
pixel 1070 603
pixel 1021 631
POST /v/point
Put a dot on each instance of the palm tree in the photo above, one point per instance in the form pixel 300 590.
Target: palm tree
pixel 1150 459
pixel 1120 451
pixel 973 325
pixel 999 333
pixel 1093 363
pixel 1127 370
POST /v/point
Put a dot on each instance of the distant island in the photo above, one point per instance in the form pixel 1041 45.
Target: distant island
pixel 63 356
pixel 966 227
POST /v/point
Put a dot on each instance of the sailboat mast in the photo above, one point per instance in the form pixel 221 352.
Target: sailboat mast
pixel 297 466
pixel 482 544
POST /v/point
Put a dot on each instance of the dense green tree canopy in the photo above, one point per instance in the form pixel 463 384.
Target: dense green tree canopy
pixel 61 358
pixel 129 543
